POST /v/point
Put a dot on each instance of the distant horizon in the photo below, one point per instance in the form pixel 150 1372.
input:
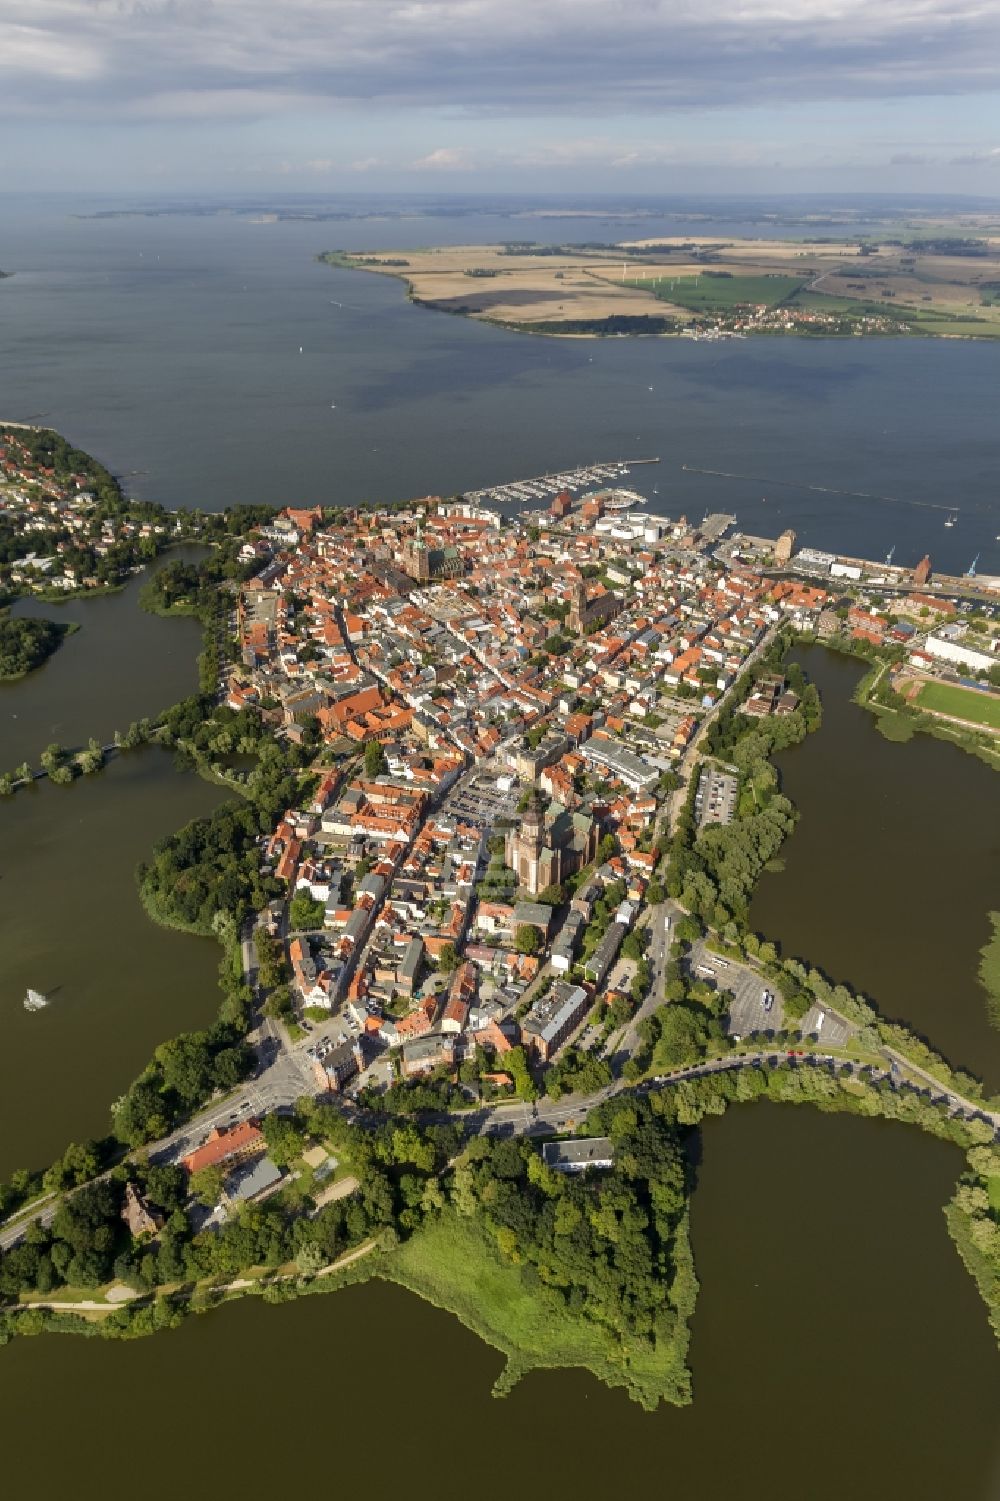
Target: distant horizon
pixel 612 197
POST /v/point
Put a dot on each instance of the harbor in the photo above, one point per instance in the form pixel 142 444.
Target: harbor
pixel 543 486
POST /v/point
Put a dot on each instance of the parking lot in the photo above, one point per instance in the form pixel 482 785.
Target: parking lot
pixel 480 802
pixel 831 1030
pixel 746 1010
pixel 715 800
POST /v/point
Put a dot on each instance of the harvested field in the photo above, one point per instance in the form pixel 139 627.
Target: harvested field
pixel 905 287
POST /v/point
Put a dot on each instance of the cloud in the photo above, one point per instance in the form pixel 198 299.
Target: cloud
pixel 38 52
pixel 445 159
pixel 976 158
pixel 210 58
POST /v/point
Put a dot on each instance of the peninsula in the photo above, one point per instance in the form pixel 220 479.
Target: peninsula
pixel 924 280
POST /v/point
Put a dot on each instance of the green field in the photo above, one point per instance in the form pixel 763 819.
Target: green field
pixel 961 703
pixel 710 294
pixel 452 1264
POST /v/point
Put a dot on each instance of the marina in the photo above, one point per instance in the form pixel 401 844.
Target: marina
pixel 520 492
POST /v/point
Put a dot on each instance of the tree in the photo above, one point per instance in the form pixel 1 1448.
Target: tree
pixel 527 939
pixel 279 1004
pixel 447 959
pixel 516 1064
pixel 284 1139
pixel 375 762
pixel 91 759
pixel 310 1258
pixel 632 947
pixel 52 756
pixel 305 914
pixel 206 1185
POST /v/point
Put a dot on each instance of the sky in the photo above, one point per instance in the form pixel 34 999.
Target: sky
pixel 533 96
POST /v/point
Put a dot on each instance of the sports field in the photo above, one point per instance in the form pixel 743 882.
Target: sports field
pixel 961 703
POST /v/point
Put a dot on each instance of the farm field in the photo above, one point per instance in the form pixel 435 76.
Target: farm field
pixel 923 285
pixel 960 703
pixel 719 292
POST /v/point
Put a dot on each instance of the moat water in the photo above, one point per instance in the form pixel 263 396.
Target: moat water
pixel 122 664
pixel 892 871
pixel 73 928
pixel 839 1349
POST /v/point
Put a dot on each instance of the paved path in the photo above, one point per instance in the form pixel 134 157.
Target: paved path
pixel 957 1102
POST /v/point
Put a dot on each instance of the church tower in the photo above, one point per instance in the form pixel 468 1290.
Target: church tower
pixel 528 844
pixel 578 606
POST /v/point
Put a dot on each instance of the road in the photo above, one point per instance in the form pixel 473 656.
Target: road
pixel 687 762
pixel 517 1118
pixel 660 922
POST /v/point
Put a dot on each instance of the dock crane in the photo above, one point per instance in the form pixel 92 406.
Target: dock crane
pixel 890 554
pixel 970 572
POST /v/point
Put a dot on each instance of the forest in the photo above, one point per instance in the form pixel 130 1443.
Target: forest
pixel 601 1243
pixel 26 644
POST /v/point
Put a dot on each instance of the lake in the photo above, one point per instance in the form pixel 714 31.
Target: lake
pixel 892 869
pixel 839 1349
pixel 122 664
pixel 73 928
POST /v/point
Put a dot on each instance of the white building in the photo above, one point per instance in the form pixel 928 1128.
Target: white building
pixel 963 656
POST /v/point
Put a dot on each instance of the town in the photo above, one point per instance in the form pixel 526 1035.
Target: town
pixel 507 791
pixel 508 710
pixel 65 527
pixel 505 717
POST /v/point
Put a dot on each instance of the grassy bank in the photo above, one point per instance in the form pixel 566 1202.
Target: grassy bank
pixel 453 1265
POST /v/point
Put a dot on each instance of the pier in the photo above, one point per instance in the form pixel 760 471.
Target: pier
pixel 543 486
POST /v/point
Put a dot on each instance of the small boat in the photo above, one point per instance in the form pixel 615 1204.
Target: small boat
pixel 35 1001
pixel 950 521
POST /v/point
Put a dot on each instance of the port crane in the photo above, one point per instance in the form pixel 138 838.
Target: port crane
pixel 890 554
pixel 970 572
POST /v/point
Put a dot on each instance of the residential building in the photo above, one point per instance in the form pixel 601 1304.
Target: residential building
pixel 553 1018
pixel 579 1154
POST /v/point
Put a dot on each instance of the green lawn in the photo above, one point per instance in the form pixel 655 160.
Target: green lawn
pixel 709 294
pixel 961 703
pixel 453 1265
